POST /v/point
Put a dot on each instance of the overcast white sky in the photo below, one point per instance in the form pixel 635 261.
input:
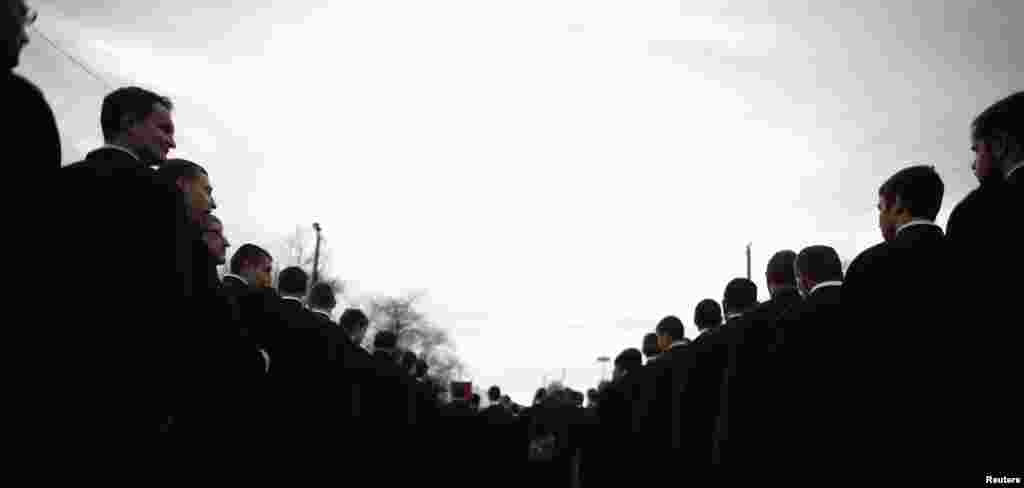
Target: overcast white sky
pixel 557 175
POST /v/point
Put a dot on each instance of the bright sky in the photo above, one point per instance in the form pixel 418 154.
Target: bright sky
pixel 557 175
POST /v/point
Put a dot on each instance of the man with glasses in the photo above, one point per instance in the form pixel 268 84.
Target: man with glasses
pixel 34 125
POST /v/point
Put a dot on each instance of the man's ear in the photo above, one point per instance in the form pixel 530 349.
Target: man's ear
pixel 128 121
pixel 181 183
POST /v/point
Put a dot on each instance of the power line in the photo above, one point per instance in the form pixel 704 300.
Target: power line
pixel 73 59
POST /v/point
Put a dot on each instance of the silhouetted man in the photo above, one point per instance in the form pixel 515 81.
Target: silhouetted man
pixel 984 232
pixel 751 341
pixel 707 316
pixel 901 287
pixel 650 346
pixel 776 396
pixel 740 298
pixel 619 449
pixel 322 301
pixel 129 233
pixel 30 122
pixel 251 268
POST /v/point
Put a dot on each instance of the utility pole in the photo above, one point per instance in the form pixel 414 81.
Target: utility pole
pixel 748 261
pixel 316 254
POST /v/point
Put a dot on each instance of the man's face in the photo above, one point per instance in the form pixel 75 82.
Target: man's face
pixel 891 215
pixel 259 273
pixel 984 164
pixel 198 196
pixel 14 21
pixel 213 235
pixel 152 137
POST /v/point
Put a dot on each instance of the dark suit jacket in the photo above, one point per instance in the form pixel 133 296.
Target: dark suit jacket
pixel 904 391
pixel 129 246
pixel 745 386
pixel 984 233
pixel 31 123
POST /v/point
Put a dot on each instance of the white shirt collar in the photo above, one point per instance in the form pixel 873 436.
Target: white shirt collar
pixel 730 316
pixel 121 148
pixel 824 284
pixel 297 299
pixel 915 222
pixel 677 344
pixel 1013 168
pixel 232 275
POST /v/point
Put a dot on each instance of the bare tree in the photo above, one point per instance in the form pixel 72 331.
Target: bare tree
pixel 298 249
pixel 417 334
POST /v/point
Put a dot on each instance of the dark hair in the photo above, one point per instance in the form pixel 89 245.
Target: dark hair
pixel 740 294
pixel 408 360
pixel 629 360
pixel 174 169
pixel 321 295
pixel 672 327
pixel 247 254
pixel 780 268
pixel 650 344
pixel 475 399
pixel 353 319
pixel 493 393
pixel 918 188
pixel 293 280
pixel 421 368
pixel 132 102
pixel 708 314
pixel 1002 120
pixel 385 339
pixel 820 264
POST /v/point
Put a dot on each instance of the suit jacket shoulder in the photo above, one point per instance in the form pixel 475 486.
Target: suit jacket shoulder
pixel 35 125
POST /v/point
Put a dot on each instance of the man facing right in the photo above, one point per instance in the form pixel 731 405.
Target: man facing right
pixel 901 397
pixel 127 234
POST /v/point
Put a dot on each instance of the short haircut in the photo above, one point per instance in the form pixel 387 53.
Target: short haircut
pixel 293 280
pixel 131 102
pixel 493 393
pixel 708 314
pixel 650 344
pixel 918 188
pixel 385 339
pixel 629 360
pixel 247 254
pixel 1002 120
pixel 672 327
pixel 322 296
pixel 352 320
pixel 820 264
pixel 174 169
pixel 740 294
pixel 780 268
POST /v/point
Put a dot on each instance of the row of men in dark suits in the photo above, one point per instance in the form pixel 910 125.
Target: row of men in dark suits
pixel 228 368
pixel 862 373
pixel 166 346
